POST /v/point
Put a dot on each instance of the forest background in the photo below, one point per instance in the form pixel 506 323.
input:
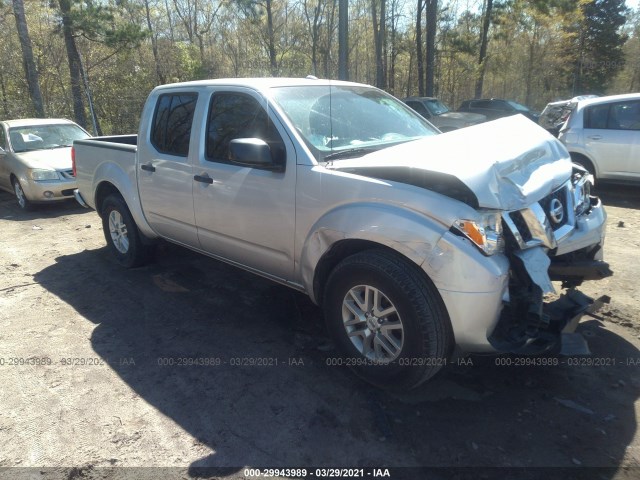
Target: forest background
pixel 95 61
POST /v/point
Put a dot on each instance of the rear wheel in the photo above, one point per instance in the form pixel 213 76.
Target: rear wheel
pixel 387 319
pixel 23 201
pixel 122 234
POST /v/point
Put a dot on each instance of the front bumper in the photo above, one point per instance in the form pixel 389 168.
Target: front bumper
pixel 508 313
pixel 48 191
pixel 541 250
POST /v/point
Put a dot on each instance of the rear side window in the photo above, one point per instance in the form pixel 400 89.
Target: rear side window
pixel 596 116
pixel 172 122
pixel 3 141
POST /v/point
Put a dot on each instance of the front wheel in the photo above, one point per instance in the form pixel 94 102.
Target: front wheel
pixel 387 319
pixel 23 201
pixel 122 234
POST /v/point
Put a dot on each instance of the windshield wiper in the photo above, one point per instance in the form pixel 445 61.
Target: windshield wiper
pixel 350 153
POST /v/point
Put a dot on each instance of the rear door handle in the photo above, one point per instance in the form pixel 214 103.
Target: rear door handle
pixel 148 167
pixel 203 179
pixel 595 137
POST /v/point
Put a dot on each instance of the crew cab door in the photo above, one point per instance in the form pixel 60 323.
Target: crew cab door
pixel 245 214
pixel 165 176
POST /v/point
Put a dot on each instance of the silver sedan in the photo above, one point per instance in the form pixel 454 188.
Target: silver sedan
pixel 35 159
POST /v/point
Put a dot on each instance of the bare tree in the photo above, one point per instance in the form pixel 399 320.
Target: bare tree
pixel 30 70
pixel 484 41
pixel 420 61
pixel 432 23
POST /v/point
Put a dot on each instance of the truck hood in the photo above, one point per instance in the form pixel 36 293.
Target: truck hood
pixel 506 164
pixel 55 158
pixel 464 117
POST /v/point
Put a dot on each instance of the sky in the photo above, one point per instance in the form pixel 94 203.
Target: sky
pixel 633 3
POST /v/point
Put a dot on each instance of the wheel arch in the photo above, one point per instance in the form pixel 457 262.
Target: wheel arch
pixel 354 228
pixel 586 162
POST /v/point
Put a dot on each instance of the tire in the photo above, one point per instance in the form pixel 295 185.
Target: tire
pixel 417 340
pixel 122 234
pixel 23 201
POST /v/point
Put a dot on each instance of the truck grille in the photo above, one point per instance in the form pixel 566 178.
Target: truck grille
pixel 555 207
pixel 544 222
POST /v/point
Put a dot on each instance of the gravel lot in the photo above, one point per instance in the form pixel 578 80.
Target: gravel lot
pixel 190 363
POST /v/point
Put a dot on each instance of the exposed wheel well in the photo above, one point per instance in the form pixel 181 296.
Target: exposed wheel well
pixel 104 190
pixel 338 252
pixel 584 161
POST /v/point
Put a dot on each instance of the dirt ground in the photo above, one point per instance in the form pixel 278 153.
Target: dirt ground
pixel 189 363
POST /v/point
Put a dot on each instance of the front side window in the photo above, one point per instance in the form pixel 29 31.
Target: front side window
pixel 172 123
pixel 3 141
pixel 237 115
pixel 44 137
pixel 624 116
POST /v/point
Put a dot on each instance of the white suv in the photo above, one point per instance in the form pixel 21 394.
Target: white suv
pixel 603 134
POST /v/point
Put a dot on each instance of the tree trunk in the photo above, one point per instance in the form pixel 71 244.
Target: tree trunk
pixel 484 40
pixel 154 45
pixel 420 60
pixel 75 71
pixel 30 71
pixel 378 36
pixel 432 24
pixel 271 40
pixel 3 90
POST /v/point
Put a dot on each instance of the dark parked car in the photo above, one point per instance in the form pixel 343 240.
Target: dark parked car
pixel 496 108
pixel 439 114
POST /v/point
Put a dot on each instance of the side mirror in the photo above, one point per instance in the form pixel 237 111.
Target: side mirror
pixel 253 152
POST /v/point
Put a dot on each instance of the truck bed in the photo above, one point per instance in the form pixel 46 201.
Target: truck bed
pixel 100 158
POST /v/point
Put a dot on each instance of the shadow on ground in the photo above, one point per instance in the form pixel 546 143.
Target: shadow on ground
pixel 38 211
pixel 619 195
pixel 303 411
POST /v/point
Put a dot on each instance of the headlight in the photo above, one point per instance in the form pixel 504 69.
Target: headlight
pixel 485 231
pixel 39 174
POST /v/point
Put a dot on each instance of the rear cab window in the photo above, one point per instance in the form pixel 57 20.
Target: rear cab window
pixel 172 123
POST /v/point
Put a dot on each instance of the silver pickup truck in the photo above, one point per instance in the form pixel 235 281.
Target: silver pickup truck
pixel 418 245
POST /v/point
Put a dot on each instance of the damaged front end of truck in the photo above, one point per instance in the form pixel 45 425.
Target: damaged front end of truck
pixel 559 238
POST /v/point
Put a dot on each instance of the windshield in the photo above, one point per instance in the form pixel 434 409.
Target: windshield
pixel 43 137
pixel 349 121
pixel 436 107
pixel 517 106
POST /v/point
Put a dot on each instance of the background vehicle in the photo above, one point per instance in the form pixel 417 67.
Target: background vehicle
pixel 494 108
pixel 555 114
pixel 439 114
pixel 414 242
pixel 35 159
pixel 603 135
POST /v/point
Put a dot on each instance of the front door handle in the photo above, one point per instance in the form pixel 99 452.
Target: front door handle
pixel 148 167
pixel 595 137
pixel 203 179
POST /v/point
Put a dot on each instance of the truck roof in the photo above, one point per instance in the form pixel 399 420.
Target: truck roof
pixel 261 84
pixel 28 122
